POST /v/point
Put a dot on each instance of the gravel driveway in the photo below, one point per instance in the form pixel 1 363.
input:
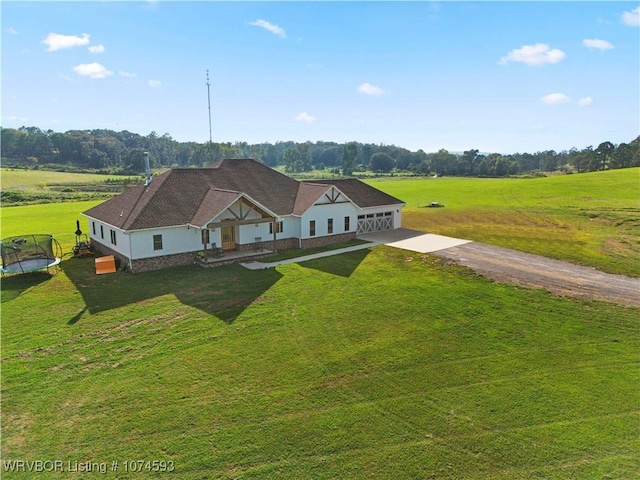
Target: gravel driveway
pixel 519 268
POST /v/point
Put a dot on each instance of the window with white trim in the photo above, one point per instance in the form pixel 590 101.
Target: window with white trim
pixel 157 242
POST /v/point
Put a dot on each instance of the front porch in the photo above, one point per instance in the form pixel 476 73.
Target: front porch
pixel 227 257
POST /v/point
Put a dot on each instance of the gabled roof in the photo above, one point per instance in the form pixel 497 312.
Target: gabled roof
pixel 214 203
pixel 196 195
pixel 360 193
pixel 308 194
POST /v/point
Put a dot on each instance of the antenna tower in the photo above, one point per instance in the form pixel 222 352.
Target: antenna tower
pixel 209 101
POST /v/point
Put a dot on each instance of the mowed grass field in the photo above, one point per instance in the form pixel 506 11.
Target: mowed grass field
pixel 16 179
pixel 589 219
pixel 375 364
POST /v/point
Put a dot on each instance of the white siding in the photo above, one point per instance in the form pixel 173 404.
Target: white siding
pixel 103 236
pixel 321 213
pixel 174 240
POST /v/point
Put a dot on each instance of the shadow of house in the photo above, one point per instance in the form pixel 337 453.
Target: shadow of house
pixel 224 292
pixel 343 264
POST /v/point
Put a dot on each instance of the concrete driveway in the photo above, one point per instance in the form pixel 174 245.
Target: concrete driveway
pixel 413 240
pixel 518 268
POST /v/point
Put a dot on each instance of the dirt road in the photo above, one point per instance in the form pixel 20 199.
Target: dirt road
pixel 562 278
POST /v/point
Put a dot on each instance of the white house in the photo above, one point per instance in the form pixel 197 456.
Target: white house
pixel 234 205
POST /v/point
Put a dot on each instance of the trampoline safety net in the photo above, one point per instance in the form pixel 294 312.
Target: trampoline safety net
pixel 28 253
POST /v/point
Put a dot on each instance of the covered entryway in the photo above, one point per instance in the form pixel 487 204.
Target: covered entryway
pixel 375 222
pixel 228 237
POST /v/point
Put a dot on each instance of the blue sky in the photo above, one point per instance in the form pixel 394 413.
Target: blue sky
pixel 497 76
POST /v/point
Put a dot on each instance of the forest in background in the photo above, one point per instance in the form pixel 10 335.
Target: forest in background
pixel 111 152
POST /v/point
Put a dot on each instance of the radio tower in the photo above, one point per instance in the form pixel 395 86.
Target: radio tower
pixel 209 101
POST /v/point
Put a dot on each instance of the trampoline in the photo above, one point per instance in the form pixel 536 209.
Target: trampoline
pixel 29 253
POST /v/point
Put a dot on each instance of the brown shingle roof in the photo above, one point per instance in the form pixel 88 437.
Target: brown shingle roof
pixel 213 204
pixel 308 194
pixel 360 193
pixel 188 195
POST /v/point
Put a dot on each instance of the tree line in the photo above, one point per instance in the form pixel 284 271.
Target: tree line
pixel 122 152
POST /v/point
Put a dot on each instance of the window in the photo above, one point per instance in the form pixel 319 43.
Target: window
pixel 157 242
pixel 93 224
pixel 113 236
pixel 330 225
pixel 101 231
pixel 279 227
pixel 347 224
pixel 205 236
pixel 312 228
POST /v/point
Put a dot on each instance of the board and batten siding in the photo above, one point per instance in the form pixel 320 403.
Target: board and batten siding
pixel 322 213
pixel 182 239
pixel 103 235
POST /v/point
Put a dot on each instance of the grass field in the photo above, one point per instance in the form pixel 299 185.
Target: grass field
pixel 29 179
pixel 589 219
pixel 375 364
pixel 28 187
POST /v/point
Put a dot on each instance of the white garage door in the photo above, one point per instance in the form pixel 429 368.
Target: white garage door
pixel 375 222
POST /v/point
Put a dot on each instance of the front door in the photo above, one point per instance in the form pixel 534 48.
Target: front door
pixel 228 238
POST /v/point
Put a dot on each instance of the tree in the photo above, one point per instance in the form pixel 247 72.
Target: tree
pixel 467 162
pixel 603 152
pixel 381 162
pixel 292 159
pixel 349 157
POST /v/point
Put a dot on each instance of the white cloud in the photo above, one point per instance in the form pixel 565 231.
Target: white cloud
pixel 154 83
pixel 535 55
pixel 632 17
pixel 96 49
pixel 276 30
pixel 92 70
pixel 55 41
pixel 127 74
pixel 555 99
pixel 585 102
pixel 12 31
pixel 305 117
pixel 597 44
pixel 369 89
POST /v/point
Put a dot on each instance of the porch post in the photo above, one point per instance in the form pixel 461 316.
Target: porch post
pixel 273 228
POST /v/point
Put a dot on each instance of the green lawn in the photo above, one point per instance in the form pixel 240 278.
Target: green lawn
pixel 57 219
pixel 590 219
pixel 375 364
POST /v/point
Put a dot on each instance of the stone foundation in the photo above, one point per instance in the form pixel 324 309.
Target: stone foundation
pixel 328 240
pixel 166 261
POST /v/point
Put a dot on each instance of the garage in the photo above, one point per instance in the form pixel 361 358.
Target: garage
pixel 375 222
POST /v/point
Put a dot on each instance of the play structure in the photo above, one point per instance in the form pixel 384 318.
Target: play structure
pixel 29 253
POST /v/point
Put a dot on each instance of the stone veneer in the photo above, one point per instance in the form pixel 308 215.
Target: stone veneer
pixel 328 240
